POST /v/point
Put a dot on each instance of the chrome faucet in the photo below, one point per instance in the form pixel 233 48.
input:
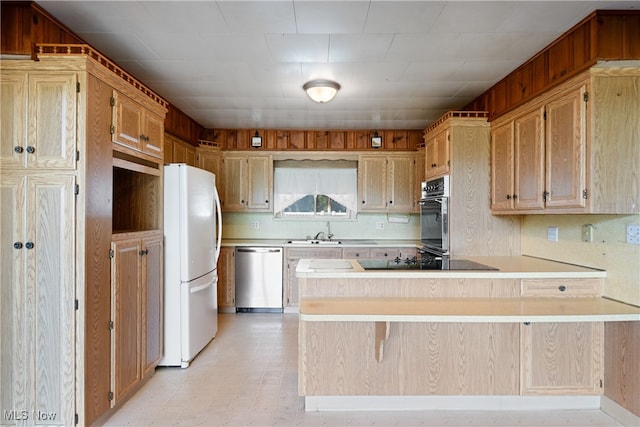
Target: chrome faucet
pixel 318 235
pixel 329 235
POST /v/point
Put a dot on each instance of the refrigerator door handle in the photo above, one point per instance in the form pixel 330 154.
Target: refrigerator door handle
pixel 219 215
pixel 200 288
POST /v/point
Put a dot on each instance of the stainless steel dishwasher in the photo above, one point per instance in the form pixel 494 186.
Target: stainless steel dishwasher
pixel 258 279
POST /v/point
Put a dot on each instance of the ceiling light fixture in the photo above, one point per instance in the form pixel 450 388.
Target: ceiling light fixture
pixel 321 90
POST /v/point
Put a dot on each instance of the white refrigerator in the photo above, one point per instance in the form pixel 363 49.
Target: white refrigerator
pixel 192 236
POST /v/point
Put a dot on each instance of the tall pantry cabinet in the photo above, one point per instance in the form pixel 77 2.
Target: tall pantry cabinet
pixel 56 194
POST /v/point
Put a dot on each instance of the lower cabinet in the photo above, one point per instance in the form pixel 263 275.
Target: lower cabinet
pixel 136 310
pixel 37 294
pixel 226 280
pixel 562 358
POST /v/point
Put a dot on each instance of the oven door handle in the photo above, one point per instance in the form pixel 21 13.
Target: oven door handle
pixel 440 200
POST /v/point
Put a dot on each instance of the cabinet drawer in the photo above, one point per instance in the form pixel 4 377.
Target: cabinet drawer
pixel 561 287
pixel 350 253
pixel 314 253
pixel 385 253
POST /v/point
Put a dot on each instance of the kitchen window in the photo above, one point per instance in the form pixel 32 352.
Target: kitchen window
pixel 315 189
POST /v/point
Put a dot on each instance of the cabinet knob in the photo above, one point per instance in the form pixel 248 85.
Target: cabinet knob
pixel 144 252
pixel 515 196
pixel 29 245
pixel 508 196
pixel 17 245
pixel 562 288
pixel 31 149
pixel 390 202
pixel 266 201
pixel 363 202
pixel 18 149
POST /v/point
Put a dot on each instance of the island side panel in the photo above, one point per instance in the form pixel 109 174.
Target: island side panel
pixel 409 287
pixel 338 359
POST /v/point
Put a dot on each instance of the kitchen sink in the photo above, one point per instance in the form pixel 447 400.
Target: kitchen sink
pixel 309 242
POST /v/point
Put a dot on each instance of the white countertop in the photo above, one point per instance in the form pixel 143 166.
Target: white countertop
pixel 506 267
pixel 468 310
pixel 350 243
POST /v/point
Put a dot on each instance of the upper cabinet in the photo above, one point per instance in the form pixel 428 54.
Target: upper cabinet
pixel 136 127
pixel 247 182
pixel 47 138
pixel 437 159
pixel 570 150
pixel 387 183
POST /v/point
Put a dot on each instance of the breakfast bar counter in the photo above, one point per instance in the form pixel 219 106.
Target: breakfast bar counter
pixel 524 330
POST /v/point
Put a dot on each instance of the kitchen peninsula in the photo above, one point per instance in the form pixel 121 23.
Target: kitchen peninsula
pixel 528 333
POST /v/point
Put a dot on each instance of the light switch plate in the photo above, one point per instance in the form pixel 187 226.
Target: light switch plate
pixel 633 234
pixel 552 234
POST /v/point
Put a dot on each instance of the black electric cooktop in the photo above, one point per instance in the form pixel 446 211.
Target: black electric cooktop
pixel 422 264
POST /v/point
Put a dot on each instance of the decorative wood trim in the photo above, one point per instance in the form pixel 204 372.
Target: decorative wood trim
pixel 43 50
pixel 457 114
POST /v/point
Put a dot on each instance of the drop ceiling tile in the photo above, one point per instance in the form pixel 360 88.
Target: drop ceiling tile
pixel 402 16
pixel 330 17
pixel 258 17
pixel 473 16
pixel 298 47
pixel 359 47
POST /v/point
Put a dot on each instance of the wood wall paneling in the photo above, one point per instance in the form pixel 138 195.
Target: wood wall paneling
pixel 603 35
pixel 623 364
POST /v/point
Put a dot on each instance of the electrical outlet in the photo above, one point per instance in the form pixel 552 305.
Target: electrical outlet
pixel 587 233
pixel 633 234
pixel 379 225
pixel 552 234
pixel 255 225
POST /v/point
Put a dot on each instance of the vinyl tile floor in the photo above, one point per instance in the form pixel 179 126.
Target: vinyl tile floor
pixel 247 376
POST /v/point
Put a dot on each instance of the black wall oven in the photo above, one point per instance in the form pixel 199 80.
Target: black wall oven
pixel 434 217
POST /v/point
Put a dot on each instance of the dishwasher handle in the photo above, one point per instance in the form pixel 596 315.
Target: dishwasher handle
pixel 259 250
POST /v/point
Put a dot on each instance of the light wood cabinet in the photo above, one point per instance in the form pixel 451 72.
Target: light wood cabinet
pixel 375 252
pixel 437 160
pixel 387 183
pixel 226 280
pixel 472 227
pixel 38 120
pixel 37 292
pixel 563 160
pixel 247 182
pixel 548 146
pixel 65 195
pixel 136 304
pixel 136 127
pixel 291 258
pixel 562 358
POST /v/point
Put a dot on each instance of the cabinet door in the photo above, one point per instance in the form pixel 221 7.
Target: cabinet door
pixel 562 358
pixel 152 141
pixel 152 300
pixel 437 155
pixel 37 295
pixel 372 183
pixel 13 127
pixel 211 161
pixel 529 156
pixel 260 176
pixel 50 270
pixel 51 141
pixel 12 292
pixel 127 121
pixel 126 317
pixel 502 170
pixel 293 257
pixel 234 183
pixel 566 150
pixel 419 177
pixel 226 279
pixel 400 183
